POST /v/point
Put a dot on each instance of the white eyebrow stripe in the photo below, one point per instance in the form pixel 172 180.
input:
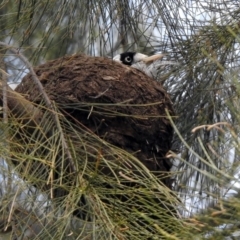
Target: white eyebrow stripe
pixel 117 58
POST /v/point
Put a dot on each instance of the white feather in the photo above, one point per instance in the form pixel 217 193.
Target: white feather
pixel 117 58
pixel 152 70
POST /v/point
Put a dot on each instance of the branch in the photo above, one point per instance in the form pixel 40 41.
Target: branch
pixel 46 98
pixel 21 108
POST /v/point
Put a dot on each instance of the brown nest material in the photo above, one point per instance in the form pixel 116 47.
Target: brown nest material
pixel 118 103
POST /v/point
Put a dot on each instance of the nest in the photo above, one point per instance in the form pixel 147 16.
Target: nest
pixel 120 104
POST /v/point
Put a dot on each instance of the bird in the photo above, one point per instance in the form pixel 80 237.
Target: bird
pixel 150 65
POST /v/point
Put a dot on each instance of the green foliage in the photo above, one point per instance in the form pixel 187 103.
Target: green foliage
pixel 204 39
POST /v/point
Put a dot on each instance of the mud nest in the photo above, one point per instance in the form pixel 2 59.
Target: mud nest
pixel 120 104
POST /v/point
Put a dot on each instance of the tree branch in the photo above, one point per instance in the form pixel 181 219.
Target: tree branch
pixel 46 98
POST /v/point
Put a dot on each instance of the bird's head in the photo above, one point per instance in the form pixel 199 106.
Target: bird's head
pixel 131 58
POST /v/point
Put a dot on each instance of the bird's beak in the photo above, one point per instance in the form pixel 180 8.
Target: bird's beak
pixel 153 58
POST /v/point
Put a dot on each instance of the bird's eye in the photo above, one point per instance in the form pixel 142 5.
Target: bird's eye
pixel 128 59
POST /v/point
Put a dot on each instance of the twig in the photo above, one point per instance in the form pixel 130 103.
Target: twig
pixel 208 127
pixel 4 90
pixel 4 76
pixel 102 93
pixel 126 177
